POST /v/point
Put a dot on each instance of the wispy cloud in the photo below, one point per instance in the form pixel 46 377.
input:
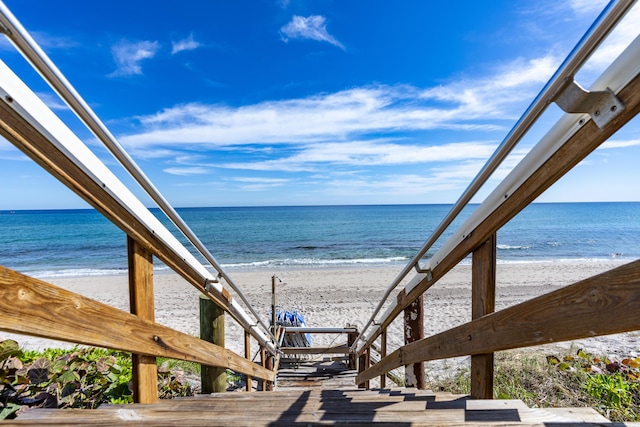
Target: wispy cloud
pixel 45 40
pixel 129 55
pixel 185 44
pixel 52 101
pixel 620 144
pixel 583 7
pixel 617 41
pixel 466 104
pixel 312 27
pixel 186 171
pixel 259 183
pixel 369 154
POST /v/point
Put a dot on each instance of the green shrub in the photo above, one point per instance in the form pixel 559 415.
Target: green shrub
pixel 611 387
pixel 76 378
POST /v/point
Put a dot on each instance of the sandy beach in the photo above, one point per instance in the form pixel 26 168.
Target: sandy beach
pixel 335 297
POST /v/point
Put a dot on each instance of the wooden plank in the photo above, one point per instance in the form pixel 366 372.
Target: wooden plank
pixel 33 307
pixel 303 410
pixel 483 301
pixel 582 143
pixel 603 304
pixel 141 302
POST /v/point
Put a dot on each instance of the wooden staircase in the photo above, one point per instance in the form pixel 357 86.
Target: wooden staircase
pixel 320 393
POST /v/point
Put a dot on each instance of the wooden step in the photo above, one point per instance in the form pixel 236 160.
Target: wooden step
pixel 319 407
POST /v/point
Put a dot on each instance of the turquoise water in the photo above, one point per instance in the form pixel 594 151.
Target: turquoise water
pixel 82 242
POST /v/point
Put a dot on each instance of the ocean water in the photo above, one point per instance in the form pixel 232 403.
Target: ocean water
pixel 81 242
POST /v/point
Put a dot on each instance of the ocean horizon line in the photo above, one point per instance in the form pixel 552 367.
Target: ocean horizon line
pixel 152 208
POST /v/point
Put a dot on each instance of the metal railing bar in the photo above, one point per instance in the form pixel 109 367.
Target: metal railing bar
pixel 28 47
pixel 601 27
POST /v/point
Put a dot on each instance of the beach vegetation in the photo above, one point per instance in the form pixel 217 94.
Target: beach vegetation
pixel 577 379
pixel 81 377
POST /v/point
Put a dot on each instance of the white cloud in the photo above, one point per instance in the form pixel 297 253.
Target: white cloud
pixel 585 7
pixel 259 183
pixel 129 55
pixel 617 41
pixel 185 171
pixel 368 154
pixel 185 44
pixel 313 27
pixel 620 144
pixel 348 115
pixel 52 101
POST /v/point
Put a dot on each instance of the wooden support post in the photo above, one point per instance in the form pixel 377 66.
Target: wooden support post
pixel 263 361
pixel 383 354
pixel 414 331
pixel 483 298
pixel 351 339
pixel 141 302
pixel 247 355
pixel 214 378
pixel 363 363
pixel 269 365
pixel 273 304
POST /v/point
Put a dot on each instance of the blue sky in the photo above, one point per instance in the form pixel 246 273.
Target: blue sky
pixel 274 102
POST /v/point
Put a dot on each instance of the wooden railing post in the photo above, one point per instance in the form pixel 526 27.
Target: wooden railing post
pixel 214 378
pixel 141 303
pixel 383 354
pixel 269 365
pixel 351 339
pixel 363 363
pixel 263 361
pixel 483 297
pixel 247 355
pixel 414 331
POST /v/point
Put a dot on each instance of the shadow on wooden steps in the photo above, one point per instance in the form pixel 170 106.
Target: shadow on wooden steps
pixel 319 407
pixel 320 393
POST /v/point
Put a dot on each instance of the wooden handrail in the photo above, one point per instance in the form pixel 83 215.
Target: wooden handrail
pixel 586 139
pixel 487 334
pixel 34 307
pixel 603 304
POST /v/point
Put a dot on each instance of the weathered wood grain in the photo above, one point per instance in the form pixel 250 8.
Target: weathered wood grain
pixel 311 408
pixel 213 378
pixel 33 307
pixel 604 304
pixel 141 302
pixel 483 301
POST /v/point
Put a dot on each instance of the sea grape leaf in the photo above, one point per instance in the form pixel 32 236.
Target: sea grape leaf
pixel 39 371
pixel 9 348
pixel 103 364
pixel 13 363
pixel 68 377
pixel 57 366
pixel 9 410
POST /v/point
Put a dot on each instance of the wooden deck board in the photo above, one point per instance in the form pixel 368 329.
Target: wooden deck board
pixel 292 404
